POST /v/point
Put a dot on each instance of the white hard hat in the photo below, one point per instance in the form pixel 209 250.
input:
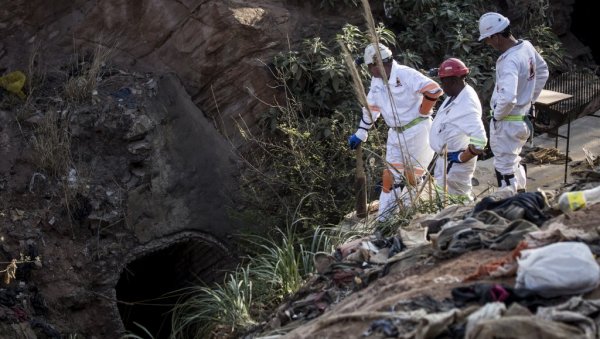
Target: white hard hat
pixel 370 53
pixel 492 23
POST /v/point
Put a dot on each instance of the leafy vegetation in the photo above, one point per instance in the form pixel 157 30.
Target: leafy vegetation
pixel 430 31
pixel 300 157
pixel 302 150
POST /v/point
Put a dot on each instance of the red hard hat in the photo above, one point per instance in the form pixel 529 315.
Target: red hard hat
pixel 452 68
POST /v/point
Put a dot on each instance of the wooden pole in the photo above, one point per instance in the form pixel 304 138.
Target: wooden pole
pixel 445 200
pixel 360 185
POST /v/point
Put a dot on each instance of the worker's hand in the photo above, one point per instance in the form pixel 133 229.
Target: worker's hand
pixel 354 141
pixel 454 156
pixel 474 150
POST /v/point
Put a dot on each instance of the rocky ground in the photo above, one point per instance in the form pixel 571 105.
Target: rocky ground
pixel 66 166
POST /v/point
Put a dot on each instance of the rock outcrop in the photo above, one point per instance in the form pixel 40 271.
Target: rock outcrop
pixel 219 49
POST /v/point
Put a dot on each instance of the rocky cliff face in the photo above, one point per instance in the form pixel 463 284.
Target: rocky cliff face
pixel 219 49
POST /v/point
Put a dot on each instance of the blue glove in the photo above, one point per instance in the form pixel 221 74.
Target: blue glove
pixel 354 141
pixel 454 156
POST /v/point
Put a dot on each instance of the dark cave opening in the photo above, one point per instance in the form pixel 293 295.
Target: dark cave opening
pixel 583 20
pixel 147 288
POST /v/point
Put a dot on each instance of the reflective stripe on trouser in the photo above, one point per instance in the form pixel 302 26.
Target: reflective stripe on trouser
pixel 458 178
pixel 506 140
pixel 415 142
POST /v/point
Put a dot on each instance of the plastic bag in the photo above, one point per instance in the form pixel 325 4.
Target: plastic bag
pixel 558 269
pixel 14 82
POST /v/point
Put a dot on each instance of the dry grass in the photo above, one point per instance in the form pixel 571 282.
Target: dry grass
pixel 52 143
pixel 86 73
pixel 11 269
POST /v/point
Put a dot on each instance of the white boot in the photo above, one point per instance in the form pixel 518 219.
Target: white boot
pixel 388 204
pixel 521 178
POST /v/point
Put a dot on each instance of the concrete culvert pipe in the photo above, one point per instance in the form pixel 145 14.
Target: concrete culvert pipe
pixel 149 280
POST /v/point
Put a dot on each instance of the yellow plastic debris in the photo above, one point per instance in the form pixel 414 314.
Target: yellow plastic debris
pixel 14 82
pixel 572 201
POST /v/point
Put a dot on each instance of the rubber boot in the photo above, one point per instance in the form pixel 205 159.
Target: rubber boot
pixel 521 179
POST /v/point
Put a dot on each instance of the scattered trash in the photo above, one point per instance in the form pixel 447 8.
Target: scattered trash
pixel 493 310
pixel 383 326
pixel 16 214
pixel 14 82
pixel 322 261
pixel 572 201
pixel 32 181
pixel 446 279
pixel 540 155
pixel 124 96
pixel 72 178
pixel 562 268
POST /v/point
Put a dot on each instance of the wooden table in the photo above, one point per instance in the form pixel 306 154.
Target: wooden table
pixel 547 99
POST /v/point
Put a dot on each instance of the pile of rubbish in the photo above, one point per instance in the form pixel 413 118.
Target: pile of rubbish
pixel 540 155
pixel 520 264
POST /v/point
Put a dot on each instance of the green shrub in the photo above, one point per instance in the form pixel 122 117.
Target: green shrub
pixel 301 158
pixel 435 30
pixel 302 149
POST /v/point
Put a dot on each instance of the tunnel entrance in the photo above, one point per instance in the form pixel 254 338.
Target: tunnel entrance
pixel 583 22
pixel 148 285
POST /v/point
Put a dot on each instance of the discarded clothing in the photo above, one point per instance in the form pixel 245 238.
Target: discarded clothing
pixel 486 230
pixel 526 205
pixel 454 212
pixel 457 237
pixel 493 310
pixel 585 314
pixel 484 293
pixel 383 326
pixel 510 236
pixel 523 327
pixel 480 293
pixel 505 266
pixel 557 231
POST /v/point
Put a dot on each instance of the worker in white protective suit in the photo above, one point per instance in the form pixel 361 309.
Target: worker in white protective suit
pixel 521 74
pixel 458 127
pixel 404 97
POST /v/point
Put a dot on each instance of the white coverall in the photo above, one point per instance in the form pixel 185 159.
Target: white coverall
pixel 407 87
pixel 457 124
pixel 521 73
